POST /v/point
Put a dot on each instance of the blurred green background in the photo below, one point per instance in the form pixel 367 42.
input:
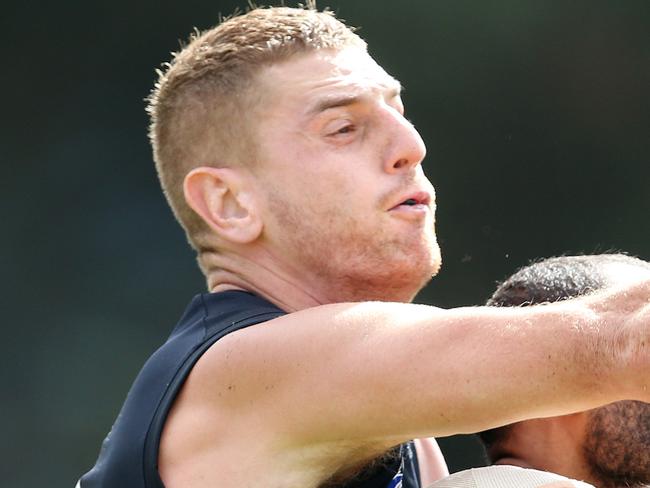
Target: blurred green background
pixel 535 113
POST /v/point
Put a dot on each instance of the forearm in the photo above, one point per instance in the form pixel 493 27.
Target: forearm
pixel 497 366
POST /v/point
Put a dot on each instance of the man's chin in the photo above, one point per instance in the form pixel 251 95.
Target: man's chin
pixel 422 276
pixel 436 263
pixel 403 284
pixel 430 268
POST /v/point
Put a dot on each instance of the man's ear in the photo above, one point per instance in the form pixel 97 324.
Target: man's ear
pixel 225 201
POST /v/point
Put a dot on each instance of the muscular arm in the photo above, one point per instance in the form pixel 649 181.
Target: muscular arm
pixel 380 373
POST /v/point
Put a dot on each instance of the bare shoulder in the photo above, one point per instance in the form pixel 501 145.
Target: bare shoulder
pixel 292 386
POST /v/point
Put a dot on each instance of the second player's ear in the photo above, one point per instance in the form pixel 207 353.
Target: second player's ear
pixel 224 199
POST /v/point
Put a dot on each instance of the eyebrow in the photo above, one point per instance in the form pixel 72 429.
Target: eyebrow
pixel 392 90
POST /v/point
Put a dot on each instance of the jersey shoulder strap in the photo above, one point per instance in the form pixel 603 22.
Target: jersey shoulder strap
pixel 129 454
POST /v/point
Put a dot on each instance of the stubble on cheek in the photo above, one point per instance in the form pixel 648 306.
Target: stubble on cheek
pixel 363 256
pixel 617 446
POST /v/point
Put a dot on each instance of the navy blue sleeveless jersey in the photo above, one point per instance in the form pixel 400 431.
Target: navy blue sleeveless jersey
pixel 129 454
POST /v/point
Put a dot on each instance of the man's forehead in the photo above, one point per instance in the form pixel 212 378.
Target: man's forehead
pixel 328 73
pixel 357 66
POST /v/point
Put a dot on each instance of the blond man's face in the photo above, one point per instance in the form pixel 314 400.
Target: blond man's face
pixel 345 200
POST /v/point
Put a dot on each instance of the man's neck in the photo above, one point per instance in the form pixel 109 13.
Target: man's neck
pixel 233 272
pixel 295 288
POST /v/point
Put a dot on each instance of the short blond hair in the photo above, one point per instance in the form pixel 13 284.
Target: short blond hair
pixel 200 105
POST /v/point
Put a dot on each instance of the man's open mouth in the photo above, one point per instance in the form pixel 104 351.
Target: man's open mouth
pixel 414 199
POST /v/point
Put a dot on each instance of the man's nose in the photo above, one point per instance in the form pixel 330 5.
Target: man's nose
pixel 406 149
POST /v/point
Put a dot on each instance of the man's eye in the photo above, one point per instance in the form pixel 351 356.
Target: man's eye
pixel 346 129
